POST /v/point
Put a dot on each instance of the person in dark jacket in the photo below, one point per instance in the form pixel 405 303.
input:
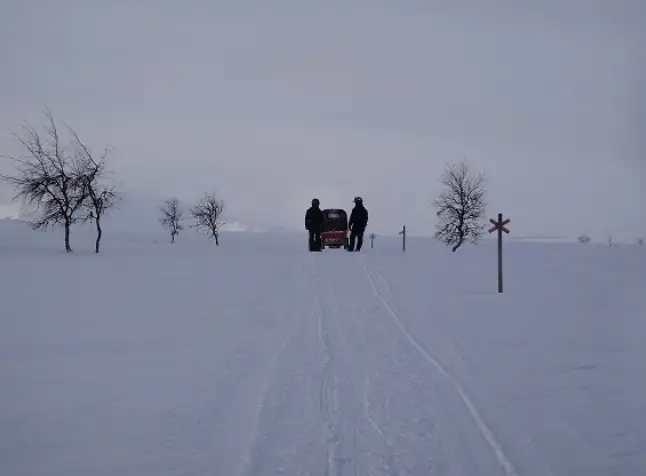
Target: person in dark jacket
pixel 357 224
pixel 314 225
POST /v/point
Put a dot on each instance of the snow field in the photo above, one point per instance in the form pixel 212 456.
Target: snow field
pixel 259 358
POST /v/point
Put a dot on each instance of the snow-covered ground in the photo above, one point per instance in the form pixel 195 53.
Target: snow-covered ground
pixel 259 358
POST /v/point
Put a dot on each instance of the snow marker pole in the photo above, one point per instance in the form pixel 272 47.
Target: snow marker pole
pixel 499 226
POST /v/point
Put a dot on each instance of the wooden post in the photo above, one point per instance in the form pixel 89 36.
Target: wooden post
pixel 372 240
pixel 403 233
pixel 499 226
pixel 500 280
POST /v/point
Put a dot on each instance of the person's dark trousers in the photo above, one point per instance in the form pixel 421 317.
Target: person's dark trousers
pixel 356 235
pixel 315 241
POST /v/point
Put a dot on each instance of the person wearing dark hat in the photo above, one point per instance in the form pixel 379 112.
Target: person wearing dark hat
pixel 357 224
pixel 314 225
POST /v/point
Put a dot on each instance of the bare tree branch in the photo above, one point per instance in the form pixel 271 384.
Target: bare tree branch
pixel 48 178
pixel 62 182
pixel 171 218
pixel 460 207
pixel 207 214
pixel 99 198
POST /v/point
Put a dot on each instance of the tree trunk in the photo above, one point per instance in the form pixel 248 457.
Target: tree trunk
pixel 217 241
pixel 67 225
pixel 458 244
pixel 99 234
pixel 172 237
pixel 461 235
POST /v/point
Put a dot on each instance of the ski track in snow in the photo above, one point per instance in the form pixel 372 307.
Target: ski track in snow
pixel 251 390
pixel 262 394
pixel 373 277
pixel 326 389
pixel 354 372
pixel 390 457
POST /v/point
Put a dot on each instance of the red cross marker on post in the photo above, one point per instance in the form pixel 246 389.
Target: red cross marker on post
pixel 499 226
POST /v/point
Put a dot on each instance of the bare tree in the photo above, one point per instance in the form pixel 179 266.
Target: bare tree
pixel 171 218
pixel 584 239
pixel 99 198
pixel 460 207
pixel 49 178
pixel 207 214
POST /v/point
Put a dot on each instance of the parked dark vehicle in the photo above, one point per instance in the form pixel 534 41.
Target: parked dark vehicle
pixel 335 228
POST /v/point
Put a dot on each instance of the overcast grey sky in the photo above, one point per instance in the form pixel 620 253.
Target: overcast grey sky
pixel 274 102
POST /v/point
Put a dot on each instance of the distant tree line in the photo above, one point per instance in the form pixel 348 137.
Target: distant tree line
pixel 206 214
pixel 66 183
pixel 63 180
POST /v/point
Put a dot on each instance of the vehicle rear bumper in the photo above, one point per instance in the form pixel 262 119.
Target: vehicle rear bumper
pixel 334 238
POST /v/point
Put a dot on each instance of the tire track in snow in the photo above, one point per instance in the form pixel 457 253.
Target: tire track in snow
pixel 493 443
pixel 325 404
pixel 342 433
pixel 287 332
pixel 390 457
pixel 326 387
